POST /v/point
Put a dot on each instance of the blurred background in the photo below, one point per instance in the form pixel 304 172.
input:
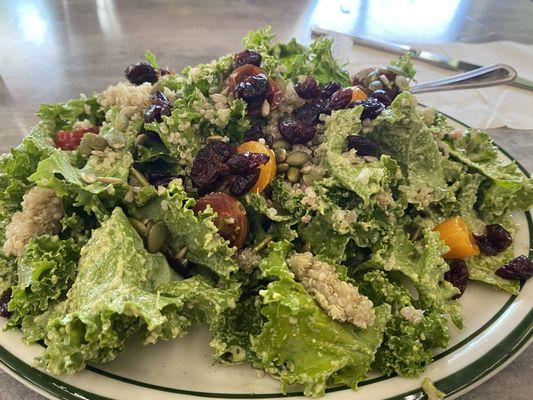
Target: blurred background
pixel 54 50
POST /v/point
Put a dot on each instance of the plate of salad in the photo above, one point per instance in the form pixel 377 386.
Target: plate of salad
pixel 262 225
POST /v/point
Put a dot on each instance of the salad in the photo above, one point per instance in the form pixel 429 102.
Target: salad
pixel 321 225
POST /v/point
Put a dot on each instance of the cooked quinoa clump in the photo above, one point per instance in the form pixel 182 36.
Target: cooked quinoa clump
pixel 124 94
pixel 338 298
pixel 41 213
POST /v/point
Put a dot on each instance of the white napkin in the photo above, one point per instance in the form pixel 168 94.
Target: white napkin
pixel 493 107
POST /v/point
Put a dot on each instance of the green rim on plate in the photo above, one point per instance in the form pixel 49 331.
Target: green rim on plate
pixel 452 384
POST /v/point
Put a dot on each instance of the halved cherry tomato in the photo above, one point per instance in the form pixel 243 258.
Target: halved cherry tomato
pixel 274 94
pixel 231 220
pixel 268 170
pixel 458 237
pixel 70 140
pixel 358 94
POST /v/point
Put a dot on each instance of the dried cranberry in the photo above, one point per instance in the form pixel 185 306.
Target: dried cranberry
pixel 253 90
pixel 457 276
pixel 294 131
pixel 242 184
pixel 340 99
pixel 495 240
pixel 499 236
pixel 70 140
pixel 210 164
pixel 485 245
pixel 160 106
pixel 308 88
pixel 309 113
pixel 372 107
pixel 247 57
pixel 330 88
pixel 363 145
pixel 140 73
pixel 246 163
pixel 382 96
pixel 4 301
pixel 518 268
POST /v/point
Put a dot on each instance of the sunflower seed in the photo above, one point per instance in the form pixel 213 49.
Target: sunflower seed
pixel 265 109
pixel 109 179
pixel 88 177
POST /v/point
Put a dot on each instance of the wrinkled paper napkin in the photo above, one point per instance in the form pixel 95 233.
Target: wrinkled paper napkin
pixel 485 108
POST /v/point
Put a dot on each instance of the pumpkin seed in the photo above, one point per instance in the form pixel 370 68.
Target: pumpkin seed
pixel 384 80
pixel 283 167
pixel 95 142
pixel 375 85
pixel 395 69
pixel 309 179
pixel 281 144
pixel 297 158
pixel 281 155
pixel 121 121
pixel 157 236
pixel 116 141
pixel 293 174
pixel 182 254
pixel 88 177
pixel 262 244
pixel 139 227
pixel 140 177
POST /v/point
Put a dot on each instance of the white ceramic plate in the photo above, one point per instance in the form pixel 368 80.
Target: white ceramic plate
pixel 497 328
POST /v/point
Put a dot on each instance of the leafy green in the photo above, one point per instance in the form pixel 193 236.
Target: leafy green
pixel 300 343
pixel 292 60
pixel 405 64
pixel 407 348
pixel 150 57
pixel 196 232
pixel 423 264
pixel 45 272
pixel 62 116
pixel 121 289
pixel 402 134
pixel 364 180
pixel 509 188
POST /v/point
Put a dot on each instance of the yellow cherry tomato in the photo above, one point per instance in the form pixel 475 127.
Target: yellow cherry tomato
pixel 458 237
pixel 268 170
pixel 358 94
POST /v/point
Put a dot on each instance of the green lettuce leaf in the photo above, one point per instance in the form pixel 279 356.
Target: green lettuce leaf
pixel 198 233
pixel 366 179
pixel 422 263
pixel 62 116
pixel 293 60
pixel 121 289
pixel 407 348
pixel 508 187
pixel 46 271
pixel 401 133
pixel 300 343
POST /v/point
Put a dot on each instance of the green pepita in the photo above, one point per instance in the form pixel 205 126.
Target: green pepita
pixel 375 85
pixel 309 179
pixel 116 141
pixel 157 236
pixel 139 177
pixel 283 167
pixel 95 142
pixel 139 227
pixel 297 158
pixel 281 155
pixel 122 121
pixel 293 174
pixel 281 144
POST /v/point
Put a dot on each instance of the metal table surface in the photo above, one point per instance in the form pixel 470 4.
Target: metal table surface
pixel 53 50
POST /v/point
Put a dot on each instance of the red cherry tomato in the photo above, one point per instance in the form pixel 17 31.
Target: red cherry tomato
pixel 231 220
pixel 70 140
